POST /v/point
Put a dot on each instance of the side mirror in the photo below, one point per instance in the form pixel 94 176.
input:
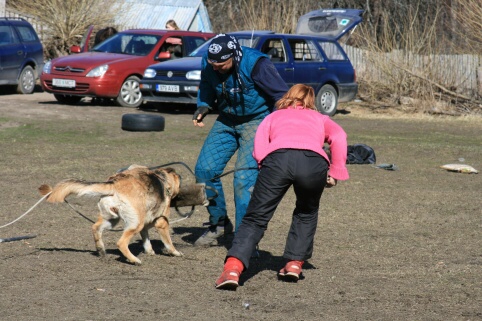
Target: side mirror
pixel 75 49
pixel 163 55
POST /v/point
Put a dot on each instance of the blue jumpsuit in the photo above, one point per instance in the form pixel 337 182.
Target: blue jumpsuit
pixel 241 110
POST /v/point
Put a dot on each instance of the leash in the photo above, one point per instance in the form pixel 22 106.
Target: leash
pixel 190 170
pixel 232 171
pixel 88 219
pixel 78 212
pixel 18 238
pixel 44 197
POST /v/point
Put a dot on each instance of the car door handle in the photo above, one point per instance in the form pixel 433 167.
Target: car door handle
pixel 289 69
pixel 20 52
pixel 322 68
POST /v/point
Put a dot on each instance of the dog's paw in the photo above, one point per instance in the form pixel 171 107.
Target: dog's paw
pixel 135 261
pixel 177 253
pixel 101 252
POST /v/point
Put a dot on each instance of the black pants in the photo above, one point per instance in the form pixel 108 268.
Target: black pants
pixel 307 172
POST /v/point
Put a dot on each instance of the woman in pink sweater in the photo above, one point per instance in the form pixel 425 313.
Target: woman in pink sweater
pixel 288 147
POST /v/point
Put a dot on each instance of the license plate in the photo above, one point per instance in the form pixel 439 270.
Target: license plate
pixel 67 83
pixel 168 88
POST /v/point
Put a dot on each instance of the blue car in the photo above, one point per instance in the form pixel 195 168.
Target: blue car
pixel 21 54
pixel 312 56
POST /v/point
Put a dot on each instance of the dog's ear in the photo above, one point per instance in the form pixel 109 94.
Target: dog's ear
pixel 172 177
pixel 167 170
pixel 175 183
pixel 45 189
pixel 117 176
pixel 172 172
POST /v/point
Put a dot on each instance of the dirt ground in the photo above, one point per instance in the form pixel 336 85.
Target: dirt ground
pixel 390 245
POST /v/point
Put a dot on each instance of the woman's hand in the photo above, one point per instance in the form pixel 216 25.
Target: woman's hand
pixel 330 182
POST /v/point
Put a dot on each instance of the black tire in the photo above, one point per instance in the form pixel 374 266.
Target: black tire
pixel 26 81
pixel 143 123
pixel 130 93
pixel 327 100
pixel 67 99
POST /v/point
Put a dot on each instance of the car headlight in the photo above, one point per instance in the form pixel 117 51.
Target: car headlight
pixel 149 73
pixel 194 75
pixel 98 71
pixel 47 67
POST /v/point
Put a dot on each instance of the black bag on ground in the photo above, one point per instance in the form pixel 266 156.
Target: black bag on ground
pixel 360 154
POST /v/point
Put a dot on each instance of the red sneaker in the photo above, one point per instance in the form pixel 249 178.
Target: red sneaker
pixel 228 280
pixel 291 271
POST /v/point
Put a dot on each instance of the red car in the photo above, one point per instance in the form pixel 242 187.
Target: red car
pixel 113 68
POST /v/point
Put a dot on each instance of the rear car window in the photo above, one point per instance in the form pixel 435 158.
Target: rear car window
pixel 328 23
pixel 275 50
pixel 332 51
pixel 304 50
pixel 27 34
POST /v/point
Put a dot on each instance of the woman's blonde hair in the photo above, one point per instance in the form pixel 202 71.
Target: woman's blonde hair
pixel 298 95
pixel 173 24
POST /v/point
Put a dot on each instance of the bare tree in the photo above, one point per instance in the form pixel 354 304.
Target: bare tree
pixel 66 21
pixel 407 59
pixel 467 24
pixel 277 15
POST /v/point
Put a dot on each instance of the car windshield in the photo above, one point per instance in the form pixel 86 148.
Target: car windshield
pixel 244 40
pixel 128 44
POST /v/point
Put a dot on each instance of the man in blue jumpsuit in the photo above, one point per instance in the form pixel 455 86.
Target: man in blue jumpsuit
pixel 245 85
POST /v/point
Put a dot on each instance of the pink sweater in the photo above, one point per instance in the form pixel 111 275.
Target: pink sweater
pixel 303 129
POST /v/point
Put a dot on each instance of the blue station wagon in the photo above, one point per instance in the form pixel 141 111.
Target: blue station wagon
pixel 21 54
pixel 312 56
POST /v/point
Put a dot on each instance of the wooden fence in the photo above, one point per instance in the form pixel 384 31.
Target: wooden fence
pixel 458 73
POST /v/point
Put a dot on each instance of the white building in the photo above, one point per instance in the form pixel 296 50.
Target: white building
pixel 153 14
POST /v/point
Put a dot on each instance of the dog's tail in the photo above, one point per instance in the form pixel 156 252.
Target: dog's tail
pixel 77 187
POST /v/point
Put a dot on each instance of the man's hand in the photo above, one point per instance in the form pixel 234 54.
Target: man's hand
pixel 199 114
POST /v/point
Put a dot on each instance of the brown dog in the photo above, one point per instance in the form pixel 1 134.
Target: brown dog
pixel 139 196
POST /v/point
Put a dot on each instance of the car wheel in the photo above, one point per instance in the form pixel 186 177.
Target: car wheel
pixel 130 93
pixel 327 100
pixel 142 123
pixel 67 99
pixel 26 81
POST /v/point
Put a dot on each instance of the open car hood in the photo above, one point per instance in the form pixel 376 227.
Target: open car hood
pixel 329 23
